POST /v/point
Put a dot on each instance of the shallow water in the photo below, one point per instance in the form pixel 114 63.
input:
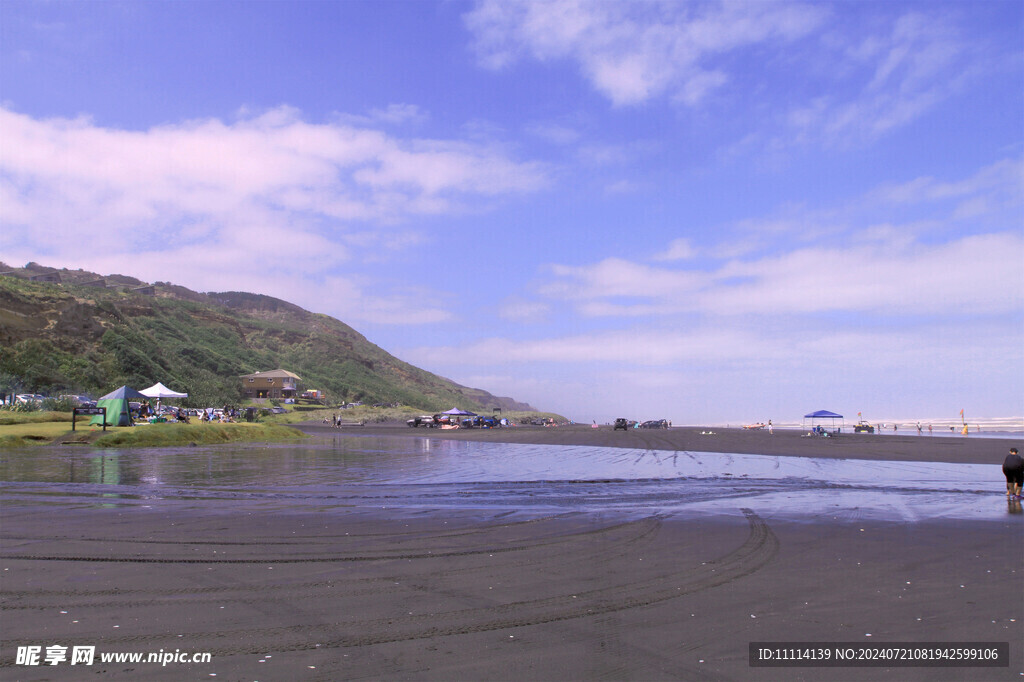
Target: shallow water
pixel 418 473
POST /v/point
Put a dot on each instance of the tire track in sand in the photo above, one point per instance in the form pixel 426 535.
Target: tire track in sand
pixel 759 548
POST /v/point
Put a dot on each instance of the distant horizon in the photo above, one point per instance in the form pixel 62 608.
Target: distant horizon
pixel 994 423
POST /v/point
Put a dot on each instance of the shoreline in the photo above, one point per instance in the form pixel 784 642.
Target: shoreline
pixel 972 449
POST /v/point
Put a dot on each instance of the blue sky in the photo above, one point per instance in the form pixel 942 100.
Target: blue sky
pixel 708 212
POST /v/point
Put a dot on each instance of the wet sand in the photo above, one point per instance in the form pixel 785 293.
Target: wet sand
pixel 292 589
pixel 972 449
pixel 367 594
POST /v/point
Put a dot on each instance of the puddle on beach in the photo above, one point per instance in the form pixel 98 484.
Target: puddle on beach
pixel 419 473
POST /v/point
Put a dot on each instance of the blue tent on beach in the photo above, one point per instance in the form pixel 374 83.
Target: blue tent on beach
pixel 823 414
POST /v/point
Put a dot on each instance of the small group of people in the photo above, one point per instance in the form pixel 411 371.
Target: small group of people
pixel 227 415
pixel 335 421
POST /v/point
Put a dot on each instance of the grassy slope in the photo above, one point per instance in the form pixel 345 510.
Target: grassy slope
pixel 90 339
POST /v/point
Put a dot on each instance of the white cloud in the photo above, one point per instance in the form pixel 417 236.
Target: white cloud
pixel 271 162
pixel 207 203
pixel 555 133
pixel 741 348
pixel 392 114
pixel 618 278
pixel 845 82
pixel 621 187
pixel 1000 184
pixel 638 346
pixel 714 372
pixel 892 78
pixel 959 253
pixel 679 249
pixel 399 113
pixel 631 51
pixel 974 275
pixel 517 309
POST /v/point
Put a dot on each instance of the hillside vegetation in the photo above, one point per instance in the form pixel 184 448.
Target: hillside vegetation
pixel 71 338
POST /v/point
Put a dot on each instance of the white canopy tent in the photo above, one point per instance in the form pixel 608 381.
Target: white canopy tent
pixel 158 391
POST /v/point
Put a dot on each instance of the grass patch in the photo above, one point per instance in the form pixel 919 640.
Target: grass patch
pixel 150 435
pixel 34 433
pixel 10 418
pixel 12 441
pixel 165 435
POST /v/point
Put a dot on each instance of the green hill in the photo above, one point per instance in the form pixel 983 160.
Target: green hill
pixel 89 334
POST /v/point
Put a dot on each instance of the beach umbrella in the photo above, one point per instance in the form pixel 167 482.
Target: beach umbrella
pixel 123 393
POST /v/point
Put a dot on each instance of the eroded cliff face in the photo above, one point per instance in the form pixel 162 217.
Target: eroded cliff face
pixel 54 315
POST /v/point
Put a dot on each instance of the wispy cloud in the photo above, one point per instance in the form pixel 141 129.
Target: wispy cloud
pixel 965 259
pixel 995 187
pixel 632 52
pixel 392 114
pixel 885 78
pixel 738 347
pixel 517 309
pixel 974 275
pixel 847 79
pixel 680 249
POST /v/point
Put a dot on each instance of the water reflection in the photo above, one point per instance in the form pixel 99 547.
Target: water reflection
pixel 404 472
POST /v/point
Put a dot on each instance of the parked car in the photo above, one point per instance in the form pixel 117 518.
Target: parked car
pixel 424 420
pixel 621 423
pixel 25 398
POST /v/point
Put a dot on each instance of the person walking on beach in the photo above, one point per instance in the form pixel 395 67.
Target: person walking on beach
pixel 1013 469
pixel 770 428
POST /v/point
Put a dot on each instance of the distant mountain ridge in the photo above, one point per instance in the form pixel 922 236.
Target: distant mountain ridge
pixel 78 331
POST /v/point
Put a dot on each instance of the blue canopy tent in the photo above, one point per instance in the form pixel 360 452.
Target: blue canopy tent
pixel 823 415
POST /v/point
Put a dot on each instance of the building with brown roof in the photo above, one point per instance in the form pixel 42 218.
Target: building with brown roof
pixel 277 384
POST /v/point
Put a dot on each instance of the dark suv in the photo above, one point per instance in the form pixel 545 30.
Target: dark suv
pixel 621 423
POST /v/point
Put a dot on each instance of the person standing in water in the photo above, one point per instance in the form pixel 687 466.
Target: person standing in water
pixel 1013 469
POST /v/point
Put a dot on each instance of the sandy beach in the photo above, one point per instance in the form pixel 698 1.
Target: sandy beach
pixel 970 449
pixel 283 589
